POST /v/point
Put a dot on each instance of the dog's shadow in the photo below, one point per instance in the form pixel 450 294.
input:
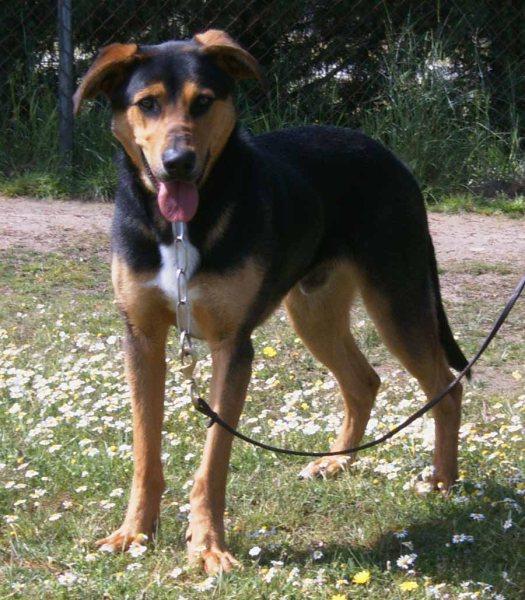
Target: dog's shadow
pixel 492 554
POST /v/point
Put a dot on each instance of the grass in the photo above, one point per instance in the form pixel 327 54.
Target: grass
pixel 440 125
pixel 458 203
pixel 30 163
pixel 65 461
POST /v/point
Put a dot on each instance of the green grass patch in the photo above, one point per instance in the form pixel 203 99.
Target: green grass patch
pixel 34 185
pixel 65 463
pixel 457 203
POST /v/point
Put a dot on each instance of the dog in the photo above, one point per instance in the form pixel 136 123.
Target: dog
pixel 311 216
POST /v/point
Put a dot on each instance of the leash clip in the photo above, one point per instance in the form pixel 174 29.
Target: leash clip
pixel 200 405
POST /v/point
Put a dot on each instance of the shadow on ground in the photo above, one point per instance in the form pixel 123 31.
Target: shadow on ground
pixel 487 559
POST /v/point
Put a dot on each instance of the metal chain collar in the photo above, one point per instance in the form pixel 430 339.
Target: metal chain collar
pixel 187 354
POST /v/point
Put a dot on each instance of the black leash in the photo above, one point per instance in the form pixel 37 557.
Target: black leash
pixel 202 406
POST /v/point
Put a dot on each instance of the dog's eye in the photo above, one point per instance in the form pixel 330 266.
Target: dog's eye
pixel 202 102
pixel 148 104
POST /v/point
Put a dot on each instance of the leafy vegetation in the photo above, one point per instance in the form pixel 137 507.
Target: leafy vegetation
pixel 426 106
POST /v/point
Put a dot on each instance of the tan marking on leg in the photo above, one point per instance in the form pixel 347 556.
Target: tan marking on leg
pixel 322 320
pixel 148 323
pixel 447 416
pixel 220 310
pixel 231 374
pixel 420 351
pixel 143 305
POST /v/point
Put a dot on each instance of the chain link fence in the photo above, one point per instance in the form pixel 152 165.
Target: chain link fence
pixel 440 81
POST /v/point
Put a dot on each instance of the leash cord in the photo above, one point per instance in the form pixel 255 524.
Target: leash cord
pixel 203 407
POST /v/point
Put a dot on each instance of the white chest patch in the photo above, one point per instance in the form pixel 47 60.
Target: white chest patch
pixel 166 277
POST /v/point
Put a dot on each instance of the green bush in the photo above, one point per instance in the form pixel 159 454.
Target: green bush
pixel 440 127
pixel 438 123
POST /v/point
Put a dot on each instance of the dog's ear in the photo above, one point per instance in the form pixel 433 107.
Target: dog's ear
pixel 105 72
pixel 230 57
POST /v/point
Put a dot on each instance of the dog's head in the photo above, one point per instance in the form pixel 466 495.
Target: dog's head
pixel 172 103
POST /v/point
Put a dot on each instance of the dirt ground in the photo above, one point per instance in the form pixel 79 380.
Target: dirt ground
pixel 48 225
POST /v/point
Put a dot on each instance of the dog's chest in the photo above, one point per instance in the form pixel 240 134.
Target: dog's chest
pixel 219 302
pixel 166 278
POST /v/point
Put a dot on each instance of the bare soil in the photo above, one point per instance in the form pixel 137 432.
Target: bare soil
pixel 49 225
pixel 479 238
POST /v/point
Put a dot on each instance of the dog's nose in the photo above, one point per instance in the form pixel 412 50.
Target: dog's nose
pixel 179 163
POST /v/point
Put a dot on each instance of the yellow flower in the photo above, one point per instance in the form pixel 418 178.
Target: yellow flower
pixel 408 586
pixel 269 352
pixel 338 597
pixel 361 577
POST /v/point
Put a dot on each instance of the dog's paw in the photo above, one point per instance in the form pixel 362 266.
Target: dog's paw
pixel 213 560
pixel 206 551
pixel 121 539
pixel 326 467
pixel 434 483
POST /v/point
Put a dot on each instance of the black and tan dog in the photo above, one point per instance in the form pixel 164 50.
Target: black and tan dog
pixel 311 216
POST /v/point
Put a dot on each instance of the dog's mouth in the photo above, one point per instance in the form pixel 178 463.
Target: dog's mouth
pixel 178 200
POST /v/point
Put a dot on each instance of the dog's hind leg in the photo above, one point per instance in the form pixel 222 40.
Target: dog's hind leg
pixel 321 317
pixel 406 318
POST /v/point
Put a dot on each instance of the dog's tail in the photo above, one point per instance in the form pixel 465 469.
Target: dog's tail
pixel 453 352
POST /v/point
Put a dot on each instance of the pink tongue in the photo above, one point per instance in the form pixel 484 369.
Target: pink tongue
pixel 178 200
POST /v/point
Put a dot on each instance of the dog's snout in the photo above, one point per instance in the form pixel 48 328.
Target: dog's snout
pixel 179 163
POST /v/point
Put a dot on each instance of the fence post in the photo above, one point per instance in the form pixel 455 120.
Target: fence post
pixel 65 83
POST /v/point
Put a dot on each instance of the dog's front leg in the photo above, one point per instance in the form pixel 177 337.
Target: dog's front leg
pixel 146 371
pixel 232 362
